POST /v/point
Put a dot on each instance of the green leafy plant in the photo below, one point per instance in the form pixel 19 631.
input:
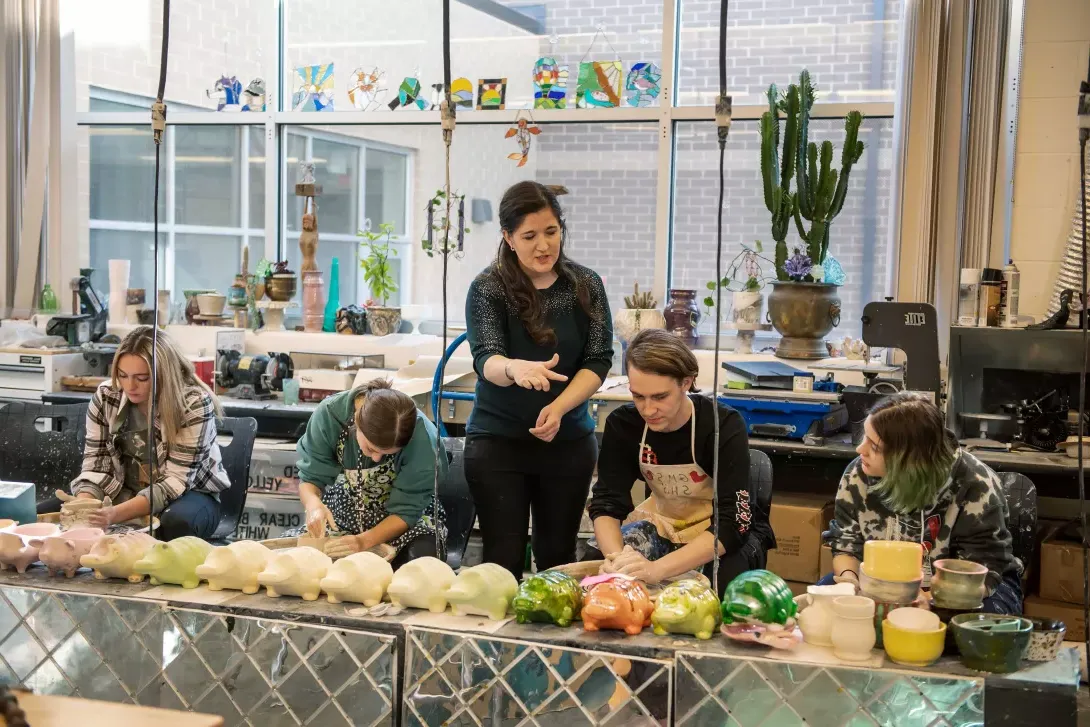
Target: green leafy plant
pixel 743 274
pixel 377 270
pixel 442 229
pixel 638 300
pixel 264 269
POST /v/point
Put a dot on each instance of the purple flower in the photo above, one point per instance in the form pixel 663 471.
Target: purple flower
pixel 797 266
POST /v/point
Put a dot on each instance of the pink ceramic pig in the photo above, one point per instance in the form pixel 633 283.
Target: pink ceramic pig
pixel 18 548
pixel 61 553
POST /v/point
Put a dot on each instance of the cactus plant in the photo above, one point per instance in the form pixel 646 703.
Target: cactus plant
pixel 776 172
pixel 638 300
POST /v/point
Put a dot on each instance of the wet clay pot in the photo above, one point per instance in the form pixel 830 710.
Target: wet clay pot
pixel 682 315
pixel 803 314
pixel 620 603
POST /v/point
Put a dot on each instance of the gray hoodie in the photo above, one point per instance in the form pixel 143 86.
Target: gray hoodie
pixel 967 520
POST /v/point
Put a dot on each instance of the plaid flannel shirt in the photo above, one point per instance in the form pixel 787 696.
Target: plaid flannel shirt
pixel 193 462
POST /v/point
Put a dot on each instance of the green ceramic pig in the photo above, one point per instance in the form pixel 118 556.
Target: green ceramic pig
pixel 686 607
pixel 174 562
pixel 483 590
pixel 548 597
pixel 758 596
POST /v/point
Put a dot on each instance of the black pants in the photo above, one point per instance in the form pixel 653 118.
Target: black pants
pixel 419 547
pixel 510 478
pixel 194 513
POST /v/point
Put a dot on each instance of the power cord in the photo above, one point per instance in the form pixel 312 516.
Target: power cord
pixel 1084 138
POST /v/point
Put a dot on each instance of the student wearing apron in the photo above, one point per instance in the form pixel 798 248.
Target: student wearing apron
pixel 665 439
pixel 367 471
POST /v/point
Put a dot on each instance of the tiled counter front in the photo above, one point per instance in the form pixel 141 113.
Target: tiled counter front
pixel 250 671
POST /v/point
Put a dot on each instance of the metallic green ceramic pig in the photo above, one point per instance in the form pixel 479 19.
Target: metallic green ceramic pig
pixel 686 607
pixel 548 597
pixel 758 596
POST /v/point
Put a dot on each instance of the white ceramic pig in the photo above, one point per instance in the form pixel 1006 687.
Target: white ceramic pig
pixel 422 583
pixel 61 553
pixel 113 556
pixel 19 545
pixel 483 590
pixel 359 578
pixel 235 566
pixel 295 572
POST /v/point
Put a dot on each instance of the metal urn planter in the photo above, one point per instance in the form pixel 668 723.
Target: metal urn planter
pixel 803 314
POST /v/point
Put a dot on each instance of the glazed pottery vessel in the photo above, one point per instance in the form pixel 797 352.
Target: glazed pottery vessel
pixel 313 301
pixel 914 619
pixel 912 647
pixel 211 304
pixel 686 607
pixel 816 611
pixel 803 314
pixel 192 309
pixel 1045 640
pixel 483 590
pixel 682 315
pixel 620 603
pixel 422 583
pixel 280 287
pixel 235 566
pixel 383 321
pixel 114 556
pixel 901 592
pixel 548 597
pixel 853 634
pixel 295 572
pixel 174 562
pixel 19 545
pixel 882 609
pixel 958 583
pixel 746 307
pixel 758 596
pixel 991 642
pixel 61 553
pixel 893 560
pixel 359 578
pixel 236 294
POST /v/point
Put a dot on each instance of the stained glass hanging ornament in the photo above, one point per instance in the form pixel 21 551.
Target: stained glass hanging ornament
pixel 523 132
pixel 461 92
pixel 408 96
pixel 642 84
pixel 436 95
pixel 491 94
pixel 226 93
pixel 367 88
pixel 254 96
pixel 833 271
pixel 550 84
pixel 313 88
pixel 599 82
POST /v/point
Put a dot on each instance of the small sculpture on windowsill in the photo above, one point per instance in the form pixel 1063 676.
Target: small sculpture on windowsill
pixel 308 241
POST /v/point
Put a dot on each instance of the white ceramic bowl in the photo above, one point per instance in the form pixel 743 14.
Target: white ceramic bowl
pixel 211 304
pixel 914 619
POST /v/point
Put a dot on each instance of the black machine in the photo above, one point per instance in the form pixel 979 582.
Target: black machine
pixel 90 323
pixel 243 375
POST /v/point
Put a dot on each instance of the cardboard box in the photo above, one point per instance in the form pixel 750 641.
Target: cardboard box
pixel 1071 615
pixel 826 561
pixel 798 521
pixel 1061 570
pixel 798 588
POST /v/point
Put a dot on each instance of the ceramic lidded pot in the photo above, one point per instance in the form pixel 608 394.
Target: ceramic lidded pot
pixel 816 612
pixel 991 642
pixel 1045 640
pixel 853 628
pixel 682 315
pixel 958 584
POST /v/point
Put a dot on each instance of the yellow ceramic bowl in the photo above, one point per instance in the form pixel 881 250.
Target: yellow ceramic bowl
pixel 913 648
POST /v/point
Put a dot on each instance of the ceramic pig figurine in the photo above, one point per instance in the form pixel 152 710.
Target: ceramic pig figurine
pixel 19 546
pixel 61 553
pixel 422 583
pixel 115 555
pixel 483 590
pixel 295 572
pixel 548 597
pixel 235 566
pixel 758 596
pixel 686 607
pixel 174 562
pixel 359 578
pixel 619 603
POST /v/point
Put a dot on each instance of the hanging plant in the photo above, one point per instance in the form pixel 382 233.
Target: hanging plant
pixel 439 226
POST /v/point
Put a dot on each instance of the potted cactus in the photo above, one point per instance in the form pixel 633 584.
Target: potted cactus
pixel 281 282
pixel 640 311
pixel 804 305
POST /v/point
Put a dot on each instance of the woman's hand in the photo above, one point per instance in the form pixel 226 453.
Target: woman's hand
pixel 535 374
pixel 103 517
pixel 345 545
pixel 318 517
pixel 548 423
pixel 631 562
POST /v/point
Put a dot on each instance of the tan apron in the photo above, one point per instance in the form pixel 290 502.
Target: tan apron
pixel 680 505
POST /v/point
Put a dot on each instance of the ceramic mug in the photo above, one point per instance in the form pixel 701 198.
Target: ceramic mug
pixel 1045 640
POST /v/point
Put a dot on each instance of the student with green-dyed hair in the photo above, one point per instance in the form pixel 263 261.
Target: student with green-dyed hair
pixel 912 482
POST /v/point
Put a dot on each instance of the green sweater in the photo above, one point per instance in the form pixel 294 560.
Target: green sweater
pixel 494 329
pixel 412 489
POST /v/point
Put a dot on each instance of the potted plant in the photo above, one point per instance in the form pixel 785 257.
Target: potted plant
pixel 804 305
pixel 262 273
pixel 440 228
pixel 744 279
pixel 281 283
pixel 640 311
pixel 379 276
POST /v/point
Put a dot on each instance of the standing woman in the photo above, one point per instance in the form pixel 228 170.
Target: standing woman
pixel 542 342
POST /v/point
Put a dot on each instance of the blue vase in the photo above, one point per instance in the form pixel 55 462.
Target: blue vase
pixel 333 302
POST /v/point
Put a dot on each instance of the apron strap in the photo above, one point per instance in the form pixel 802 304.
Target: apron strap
pixel 692 433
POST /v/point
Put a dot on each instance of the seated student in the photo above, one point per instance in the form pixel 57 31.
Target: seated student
pixel 183 484
pixel 665 439
pixel 912 482
pixel 367 470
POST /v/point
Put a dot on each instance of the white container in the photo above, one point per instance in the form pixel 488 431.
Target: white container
pixel 816 612
pixel 853 634
pixel 968 297
pixel 1013 278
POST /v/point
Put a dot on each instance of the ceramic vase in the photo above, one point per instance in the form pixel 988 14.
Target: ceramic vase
pixel 280 287
pixel 853 634
pixel 816 612
pixel 313 301
pixel 295 572
pixel 621 604
pixel 746 307
pixel 174 562
pixel 958 584
pixel 333 304
pixel 61 553
pixel 235 566
pixel 422 583
pixel 383 321
pixel 682 315
pixel 359 578
pixel 114 556
pixel 803 314
pixel 483 590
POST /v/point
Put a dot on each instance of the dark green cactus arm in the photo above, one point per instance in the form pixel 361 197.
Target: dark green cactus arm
pixel 803 180
pixel 800 226
pixel 790 139
pixel 853 150
pixel 812 179
pixel 768 159
pixel 781 251
pixel 821 212
pixel 774 109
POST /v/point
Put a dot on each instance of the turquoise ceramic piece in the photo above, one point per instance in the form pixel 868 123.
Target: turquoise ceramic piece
pixel 686 607
pixel 548 597
pixel 174 562
pixel 758 596
pixel 991 642
pixel 834 272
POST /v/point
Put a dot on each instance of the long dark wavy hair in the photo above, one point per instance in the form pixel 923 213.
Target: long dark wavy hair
pixel 520 200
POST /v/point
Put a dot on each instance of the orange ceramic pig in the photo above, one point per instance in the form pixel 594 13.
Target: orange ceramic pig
pixel 619 603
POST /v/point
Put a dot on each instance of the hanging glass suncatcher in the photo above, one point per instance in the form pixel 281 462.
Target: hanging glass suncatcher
pixel 642 84
pixel 367 89
pixel 550 84
pixel 254 96
pixel 408 96
pixel 461 92
pixel 523 132
pixel 313 89
pixel 599 82
pixel 491 94
pixel 226 93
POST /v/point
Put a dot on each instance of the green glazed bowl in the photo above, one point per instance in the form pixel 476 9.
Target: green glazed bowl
pixel 991 642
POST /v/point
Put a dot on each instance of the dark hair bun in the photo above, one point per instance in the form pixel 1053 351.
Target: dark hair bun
pixel 557 189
